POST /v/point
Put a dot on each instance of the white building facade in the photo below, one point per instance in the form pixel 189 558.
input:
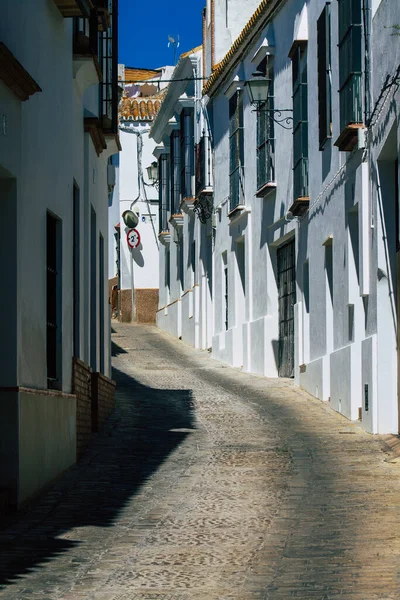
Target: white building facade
pixel 58 132
pixel 182 132
pixel 305 200
pixel 135 270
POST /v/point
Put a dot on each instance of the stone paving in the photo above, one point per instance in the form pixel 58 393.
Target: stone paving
pixel 209 483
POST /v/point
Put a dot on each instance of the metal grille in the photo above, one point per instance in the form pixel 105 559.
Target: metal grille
pixel 324 75
pixel 300 123
pixel 236 151
pixel 51 311
pixel 108 58
pixel 265 128
pixel 175 175
pixel 350 62
pixel 287 300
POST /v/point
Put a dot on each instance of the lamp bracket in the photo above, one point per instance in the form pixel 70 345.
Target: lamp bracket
pixel 276 114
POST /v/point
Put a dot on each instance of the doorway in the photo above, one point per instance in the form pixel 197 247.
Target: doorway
pixel 286 264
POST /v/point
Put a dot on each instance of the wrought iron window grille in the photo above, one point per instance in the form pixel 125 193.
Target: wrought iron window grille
pixel 204 208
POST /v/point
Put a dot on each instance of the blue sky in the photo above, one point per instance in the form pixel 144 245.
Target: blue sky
pixel 144 28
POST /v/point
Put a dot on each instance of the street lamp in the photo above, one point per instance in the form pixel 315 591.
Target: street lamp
pixel 152 173
pixel 259 89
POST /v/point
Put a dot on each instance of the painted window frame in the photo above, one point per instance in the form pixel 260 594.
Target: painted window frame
pixel 350 62
pixel 236 150
pixel 300 121
pixel 266 127
pixel 324 75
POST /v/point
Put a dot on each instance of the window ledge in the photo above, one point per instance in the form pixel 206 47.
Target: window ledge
pixel 266 189
pixel 164 237
pixel 238 212
pixel 187 204
pixel 299 206
pixel 348 137
pixel 176 220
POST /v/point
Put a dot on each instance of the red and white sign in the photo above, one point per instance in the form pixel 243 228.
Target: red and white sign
pixel 133 238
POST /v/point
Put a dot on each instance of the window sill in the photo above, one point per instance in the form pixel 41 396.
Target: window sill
pixel 347 140
pixel 266 189
pixel 300 206
pixel 176 220
pixel 238 212
pixel 164 237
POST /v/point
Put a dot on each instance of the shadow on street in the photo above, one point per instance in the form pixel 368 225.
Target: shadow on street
pixel 135 441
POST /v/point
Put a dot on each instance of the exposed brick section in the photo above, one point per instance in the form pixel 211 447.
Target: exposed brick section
pixel 103 399
pixel 146 305
pixel 82 388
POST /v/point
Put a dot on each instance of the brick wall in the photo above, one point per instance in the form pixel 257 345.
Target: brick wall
pixel 82 388
pixel 103 399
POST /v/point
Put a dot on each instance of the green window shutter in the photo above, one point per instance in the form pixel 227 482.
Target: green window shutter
pixel 324 76
pixel 350 62
pixel 300 122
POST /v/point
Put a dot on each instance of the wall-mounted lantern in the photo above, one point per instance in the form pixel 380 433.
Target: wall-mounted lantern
pixel 152 173
pixel 258 88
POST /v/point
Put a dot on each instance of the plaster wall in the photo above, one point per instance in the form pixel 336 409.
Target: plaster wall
pixel 43 152
pixel 139 266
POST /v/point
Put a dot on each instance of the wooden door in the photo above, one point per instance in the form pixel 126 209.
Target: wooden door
pixel 287 299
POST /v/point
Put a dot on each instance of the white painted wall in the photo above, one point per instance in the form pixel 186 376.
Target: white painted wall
pixel 139 267
pixel 43 150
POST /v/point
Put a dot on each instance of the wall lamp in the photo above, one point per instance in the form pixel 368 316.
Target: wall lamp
pixel 258 88
pixel 152 173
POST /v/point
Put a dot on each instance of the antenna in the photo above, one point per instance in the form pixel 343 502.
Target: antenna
pixel 174 42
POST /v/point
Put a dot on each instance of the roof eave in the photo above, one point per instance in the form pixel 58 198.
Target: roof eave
pixel 183 69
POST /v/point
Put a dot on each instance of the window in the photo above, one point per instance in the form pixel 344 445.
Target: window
pixel 300 121
pixel 193 262
pixel 164 197
pixel 187 151
pixel 324 76
pixel 236 151
pixel 175 175
pixel 265 128
pixel 350 62
pixel 226 288
pixel 76 281
pixel 93 290
pixel 53 306
pixel 101 302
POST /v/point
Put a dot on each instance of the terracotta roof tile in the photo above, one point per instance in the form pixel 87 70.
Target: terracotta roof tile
pixel 139 109
pixel 133 74
pixel 241 39
pixel 192 51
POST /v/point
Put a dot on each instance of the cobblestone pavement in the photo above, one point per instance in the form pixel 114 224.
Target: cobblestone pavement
pixel 208 483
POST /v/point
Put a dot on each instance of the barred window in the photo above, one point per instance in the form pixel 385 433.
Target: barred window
pixel 175 172
pixel 324 75
pixel 236 151
pixel 300 121
pixel 187 151
pixel 265 128
pixel 350 62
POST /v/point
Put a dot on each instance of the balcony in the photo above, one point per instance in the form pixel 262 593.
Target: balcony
pixel 203 157
pixel 104 14
pixel 85 47
pixel 109 99
pixel 74 8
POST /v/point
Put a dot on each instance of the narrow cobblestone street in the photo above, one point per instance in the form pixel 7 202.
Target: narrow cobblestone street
pixel 209 483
